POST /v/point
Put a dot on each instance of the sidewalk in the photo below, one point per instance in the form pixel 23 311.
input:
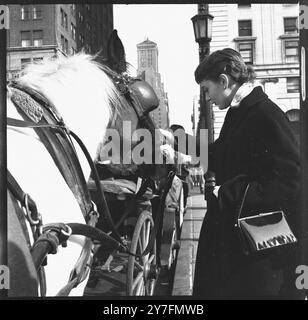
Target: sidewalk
pixel 184 272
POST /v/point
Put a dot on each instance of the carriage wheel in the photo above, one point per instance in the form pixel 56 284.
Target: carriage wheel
pixel 175 243
pixel 142 271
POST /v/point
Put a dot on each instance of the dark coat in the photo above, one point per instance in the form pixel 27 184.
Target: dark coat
pixel 256 145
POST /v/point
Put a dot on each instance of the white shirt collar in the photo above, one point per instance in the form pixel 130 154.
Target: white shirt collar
pixel 242 92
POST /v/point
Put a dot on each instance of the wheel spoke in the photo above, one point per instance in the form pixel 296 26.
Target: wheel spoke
pixel 138 280
pixel 143 235
pixel 140 245
pixel 139 288
pixel 148 232
pixel 150 288
pixel 151 258
pixel 138 265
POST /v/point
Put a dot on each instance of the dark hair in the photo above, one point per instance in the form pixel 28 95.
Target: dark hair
pixel 226 61
pixel 175 127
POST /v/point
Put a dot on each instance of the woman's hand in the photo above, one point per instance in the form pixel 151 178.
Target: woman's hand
pixel 168 135
pixel 215 191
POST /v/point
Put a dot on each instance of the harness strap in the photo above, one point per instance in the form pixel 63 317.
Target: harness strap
pixel 28 124
pixel 29 204
pixel 103 203
pixel 56 234
pixel 65 291
pixel 18 192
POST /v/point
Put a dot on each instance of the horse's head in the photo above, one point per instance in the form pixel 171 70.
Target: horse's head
pixel 138 100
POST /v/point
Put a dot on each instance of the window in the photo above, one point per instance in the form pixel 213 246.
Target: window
pixel 62 17
pixel 81 39
pixel 246 51
pixel 37 59
pixel 25 38
pixel 88 27
pixel 244 5
pixel 291 51
pixel 73 9
pixel 37 38
pixel 62 43
pixel 65 21
pixel 25 13
pixel 24 62
pixel 66 46
pixel 244 28
pixel 80 17
pixel 37 13
pixel 290 25
pixel 292 85
pixel 73 31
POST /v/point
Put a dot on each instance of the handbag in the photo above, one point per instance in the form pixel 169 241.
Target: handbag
pixel 264 231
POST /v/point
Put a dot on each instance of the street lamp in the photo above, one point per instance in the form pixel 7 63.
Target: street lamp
pixel 202 23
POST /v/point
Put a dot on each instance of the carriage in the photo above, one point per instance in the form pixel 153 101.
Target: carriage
pixel 128 212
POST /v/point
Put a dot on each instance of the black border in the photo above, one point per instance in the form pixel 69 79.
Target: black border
pixel 124 300
pixel 3 174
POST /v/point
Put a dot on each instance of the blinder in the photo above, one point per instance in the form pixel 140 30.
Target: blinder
pixel 139 93
pixel 145 95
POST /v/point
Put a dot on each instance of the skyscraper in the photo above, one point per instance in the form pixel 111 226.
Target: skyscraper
pixel 148 70
pixel 39 30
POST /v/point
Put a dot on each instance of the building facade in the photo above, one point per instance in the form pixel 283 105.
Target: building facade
pixel 38 31
pixel 267 37
pixel 148 69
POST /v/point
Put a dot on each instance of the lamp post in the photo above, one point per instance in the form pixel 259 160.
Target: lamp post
pixel 193 116
pixel 202 23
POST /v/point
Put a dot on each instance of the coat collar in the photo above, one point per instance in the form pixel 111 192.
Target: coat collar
pixel 256 95
pixel 236 115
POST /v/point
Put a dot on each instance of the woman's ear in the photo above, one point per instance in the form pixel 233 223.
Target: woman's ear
pixel 224 80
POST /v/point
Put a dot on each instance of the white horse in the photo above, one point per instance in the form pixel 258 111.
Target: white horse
pixel 85 97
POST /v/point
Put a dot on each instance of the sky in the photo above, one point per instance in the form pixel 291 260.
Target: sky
pixel 171 28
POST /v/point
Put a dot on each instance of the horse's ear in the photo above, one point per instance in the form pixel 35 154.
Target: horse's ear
pixel 116 53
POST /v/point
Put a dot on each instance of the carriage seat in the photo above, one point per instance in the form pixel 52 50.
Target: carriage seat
pixel 119 187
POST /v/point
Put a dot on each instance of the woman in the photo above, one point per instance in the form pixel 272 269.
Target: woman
pixel 256 146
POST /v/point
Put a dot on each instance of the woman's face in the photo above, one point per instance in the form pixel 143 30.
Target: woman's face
pixel 217 93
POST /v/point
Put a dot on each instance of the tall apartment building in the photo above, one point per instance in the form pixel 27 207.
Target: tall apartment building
pixel 44 30
pixel 148 69
pixel 267 37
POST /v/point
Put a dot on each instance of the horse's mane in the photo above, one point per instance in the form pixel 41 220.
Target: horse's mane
pixel 80 89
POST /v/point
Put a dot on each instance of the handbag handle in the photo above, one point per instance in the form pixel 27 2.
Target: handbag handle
pixel 242 202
